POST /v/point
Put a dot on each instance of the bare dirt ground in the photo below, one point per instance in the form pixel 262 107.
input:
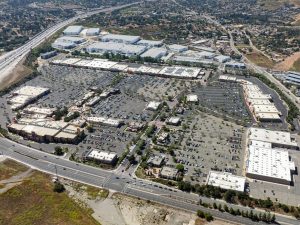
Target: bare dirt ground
pixel 297 20
pixel 19 72
pixel 118 209
pixel 288 62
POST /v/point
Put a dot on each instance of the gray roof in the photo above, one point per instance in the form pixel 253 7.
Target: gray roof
pixel 73 29
pixel 149 43
pixel 120 38
pixel 116 47
pixel 155 52
pixel 93 31
pixel 70 39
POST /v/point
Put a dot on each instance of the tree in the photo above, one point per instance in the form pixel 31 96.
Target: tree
pixel 180 167
pixel 58 187
pixel 58 150
pixel 90 128
pixel 226 208
pixel 229 196
pixel 208 217
pixel 215 205
pixel 200 214
pixel 131 159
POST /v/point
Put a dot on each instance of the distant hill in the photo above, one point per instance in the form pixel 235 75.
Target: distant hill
pixel 275 4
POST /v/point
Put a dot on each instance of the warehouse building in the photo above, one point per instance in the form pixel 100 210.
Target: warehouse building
pixel 48 55
pixel 72 30
pixel 235 65
pixel 101 156
pixel 226 181
pixel 178 48
pixel 278 139
pixel 92 32
pixel 125 39
pixel 155 53
pixel 292 77
pixel 115 48
pixel 65 43
pixel 150 43
pixel 272 165
pixel 268 157
pixel 222 58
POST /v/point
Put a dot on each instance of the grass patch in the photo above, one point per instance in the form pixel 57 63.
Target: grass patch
pixel 9 168
pixel 95 193
pixel 260 60
pixel 140 173
pixel 296 66
pixel 34 202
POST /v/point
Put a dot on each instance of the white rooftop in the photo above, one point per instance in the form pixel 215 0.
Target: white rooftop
pixel 226 181
pixel 192 98
pixel 268 162
pixel 101 155
pixel 120 38
pixel 274 137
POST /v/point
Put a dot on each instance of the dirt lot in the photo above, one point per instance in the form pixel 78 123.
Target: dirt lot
pixel 288 63
pixel 18 73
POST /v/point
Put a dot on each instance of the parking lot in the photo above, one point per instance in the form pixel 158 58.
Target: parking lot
pixel 225 98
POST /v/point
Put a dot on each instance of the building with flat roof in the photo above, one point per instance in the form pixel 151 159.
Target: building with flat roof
pixel 267 155
pixel 92 32
pixel 47 130
pixel 116 48
pixel 26 95
pixel 119 38
pixel 153 105
pixel 67 42
pixel 105 121
pixel 222 58
pixel 260 103
pixel 291 77
pixel 168 173
pixel 101 156
pixel 72 30
pixel 235 65
pixel 278 139
pixel 39 110
pixel 48 55
pixel 175 121
pixel 155 53
pixel 150 43
pixel 268 164
pixel 156 160
pixel 226 181
pixel 180 72
pixel 192 98
pixel 178 48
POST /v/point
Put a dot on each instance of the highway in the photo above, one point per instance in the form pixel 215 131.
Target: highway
pixel 9 60
pixel 121 181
